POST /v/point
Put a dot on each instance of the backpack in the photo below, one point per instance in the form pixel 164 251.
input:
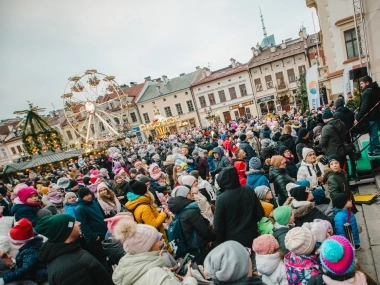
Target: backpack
pixel 179 245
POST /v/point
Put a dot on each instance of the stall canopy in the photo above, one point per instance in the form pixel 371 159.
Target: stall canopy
pixel 42 160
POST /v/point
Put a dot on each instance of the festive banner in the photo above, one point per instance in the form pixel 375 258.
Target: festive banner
pixel 348 85
pixel 312 87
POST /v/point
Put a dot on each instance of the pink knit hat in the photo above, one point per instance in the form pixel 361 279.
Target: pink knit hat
pixel 101 185
pixel 25 193
pixel 111 222
pixel 265 244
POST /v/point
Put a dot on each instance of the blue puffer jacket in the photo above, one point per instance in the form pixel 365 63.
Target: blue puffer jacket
pixel 70 209
pixel 341 216
pixel 211 164
pixel 257 178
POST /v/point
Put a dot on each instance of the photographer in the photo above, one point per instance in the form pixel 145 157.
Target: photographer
pixel 310 169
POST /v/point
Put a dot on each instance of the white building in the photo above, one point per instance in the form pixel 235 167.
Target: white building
pixel 11 147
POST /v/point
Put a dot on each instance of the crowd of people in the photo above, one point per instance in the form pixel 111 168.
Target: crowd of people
pixel 260 201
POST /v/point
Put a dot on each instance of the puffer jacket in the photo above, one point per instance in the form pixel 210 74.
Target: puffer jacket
pixel 114 251
pixel 333 136
pixel 280 179
pixel 68 264
pixel 203 168
pixel 279 233
pixel 257 178
pixel 306 169
pixel 271 269
pixel 307 213
pixel 191 221
pixel 237 210
pixel 300 268
pixel 145 268
pixel 222 160
pixel 346 116
pixel 341 217
pixel 369 98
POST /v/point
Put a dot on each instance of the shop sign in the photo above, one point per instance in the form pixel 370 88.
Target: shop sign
pixel 242 105
pixel 266 98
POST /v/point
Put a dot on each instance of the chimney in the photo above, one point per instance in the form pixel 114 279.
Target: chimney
pixel 181 74
pixel 165 79
pixel 233 62
pixel 283 45
pixel 147 78
pixel 304 34
pixel 158 90
pixel 197 68
pixel 272 48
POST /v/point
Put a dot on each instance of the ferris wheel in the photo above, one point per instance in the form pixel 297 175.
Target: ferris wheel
pixel 95 107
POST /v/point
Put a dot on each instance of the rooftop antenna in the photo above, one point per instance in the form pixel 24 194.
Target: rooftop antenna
pixel 262 22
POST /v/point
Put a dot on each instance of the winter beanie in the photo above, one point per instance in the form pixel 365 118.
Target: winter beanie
pixel 339 103
pixel 138 187
pixel 261 192
pixel 300 193
pixel 21 232
pixel 101 185
pixel 302 132
pixel 300 241
pixel 25 193
pixel 339 200
pixel 337 255
pixel 195 173
pixel 44 190
pixel 306 151
pixel 282 215
pixel 265 244
pixel 188 180
pixel 68 195
pixel 305 183
pixel 180 191
pixel 255 163
pixel 332 158
pixel 327 114
pixel 242 137
pixel 72 183
pixel 318 230
pixel 282 148
pixel 112 222
pixel 83 192
pixel 63 182
pixel 56 228
pixel 136 238
pixel 228 262
pixel 320 196
pixel 144 179
pixel 43 213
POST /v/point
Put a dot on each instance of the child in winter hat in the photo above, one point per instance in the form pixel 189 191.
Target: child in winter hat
pixel 337 258
pixel 319 231
pixel 300 262
pixel 28 206
pixel 265 196
pixel 269 262
pixel 55 196
pixel 256 175
pixel 70 204
pixel 284 220
pixel 343 214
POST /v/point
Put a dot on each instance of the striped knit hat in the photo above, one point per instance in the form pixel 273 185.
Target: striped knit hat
pixel 337 255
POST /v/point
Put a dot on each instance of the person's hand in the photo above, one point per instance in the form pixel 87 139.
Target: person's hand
pixel 7 260
pixel 188 274
pixel 120 197
pixel 321 178
pixel 355 122
pixel 98 238
pixel 209 245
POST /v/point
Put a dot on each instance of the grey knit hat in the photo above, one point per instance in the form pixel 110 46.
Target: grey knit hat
pixel 261 192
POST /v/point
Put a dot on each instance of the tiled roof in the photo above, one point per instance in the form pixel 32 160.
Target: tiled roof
pixel 4 130
pixel 173 85
pixel 222 73
pixel 267 56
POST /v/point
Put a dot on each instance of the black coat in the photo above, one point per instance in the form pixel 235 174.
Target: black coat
pixel 308 213
pixel 237 210
pixel 346 116
pixel 191 220
pixel 288 141
pixel 279 234
pixel 68 264
pixel 370 97
pixel 333 137
pixel 279 178
pixel 114 251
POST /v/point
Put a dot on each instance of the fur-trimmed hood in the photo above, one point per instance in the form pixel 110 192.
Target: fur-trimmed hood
pixel 303 210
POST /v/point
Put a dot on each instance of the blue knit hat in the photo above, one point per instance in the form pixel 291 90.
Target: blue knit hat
pixel 223 136
pixel 320 196
pixel 255 163
pixel 305 183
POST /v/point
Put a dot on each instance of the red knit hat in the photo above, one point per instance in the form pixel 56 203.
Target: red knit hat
pixel 25 193
pixel 21 232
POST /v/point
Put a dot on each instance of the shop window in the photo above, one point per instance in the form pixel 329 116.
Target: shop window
pixel 271 106
pixel 236 114
pixel 232 93
pixel 351 43
pixel 263 108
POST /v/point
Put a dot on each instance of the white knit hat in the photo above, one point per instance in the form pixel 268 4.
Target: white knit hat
pixel 300 240
pixel 136 238
pixel 188 180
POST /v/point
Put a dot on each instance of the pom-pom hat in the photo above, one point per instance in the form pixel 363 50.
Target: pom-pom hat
pixel 265 244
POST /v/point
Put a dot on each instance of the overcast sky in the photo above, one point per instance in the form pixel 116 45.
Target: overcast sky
pixel 44 42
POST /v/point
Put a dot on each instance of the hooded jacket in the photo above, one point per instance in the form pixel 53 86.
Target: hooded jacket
pixel 333 137
pixel 146 268
pixel 191 221
pixel 300 144
pixel 68 264
pixel 279 178
pixel 271 269
pixel 346 116
pixel 306 169
pixel 279 233
pixel 341 217
pixel 369 98
pixel 20 211
pixel 237 210
pixel 91 217
pixel 300 268
pixel 222 161
pixel 257 178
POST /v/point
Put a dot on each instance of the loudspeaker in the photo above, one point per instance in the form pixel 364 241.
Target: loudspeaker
pixel 358 73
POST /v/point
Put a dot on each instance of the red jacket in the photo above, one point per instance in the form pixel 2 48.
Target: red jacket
pixel 241 167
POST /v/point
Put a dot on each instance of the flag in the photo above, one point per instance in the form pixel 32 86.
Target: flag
pixel 312 87
pixel 348 85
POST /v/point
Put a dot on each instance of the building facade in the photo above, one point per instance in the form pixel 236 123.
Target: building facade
pixel 11 148
pixel 169 98
pixel 224 95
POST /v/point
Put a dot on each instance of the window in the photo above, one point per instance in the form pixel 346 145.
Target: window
pixel 111 105
pixel 168 111
pixel 232 93
pixel 236 114
pixel 19 149
pixel 3 152
pixel 243 90
pixel 92 129
pixel 248 113
pixel 222 96
pixel 269 82
pixel 280 80
pixel 101 126
pixel 69 135
pixel 133 117
pixel 117 121
pixel 179 109
pixel 190 105
pixel 13 150
pixel 291 75
pixel 77 135
pixel 146 118
pixel 351 43
pixel 202 101
pixel 258 85
pixel 301 69
pixel 211 98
